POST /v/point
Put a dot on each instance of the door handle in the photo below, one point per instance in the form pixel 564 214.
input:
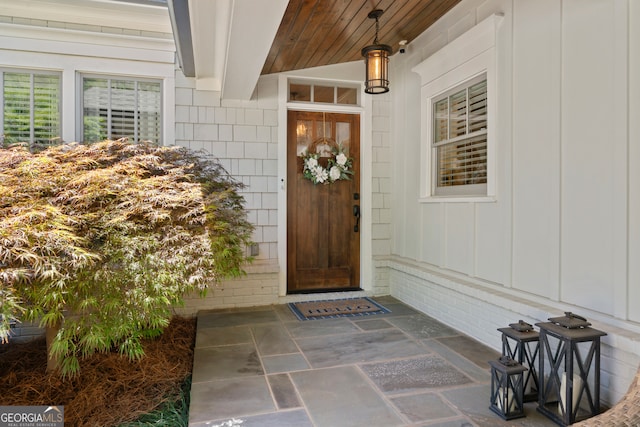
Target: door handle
pixel 356 213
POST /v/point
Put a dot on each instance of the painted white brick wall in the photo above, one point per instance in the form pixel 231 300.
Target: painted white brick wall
pixel 478 311
pixel 258 287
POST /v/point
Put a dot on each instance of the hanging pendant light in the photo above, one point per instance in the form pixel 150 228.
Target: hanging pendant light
pixel 376 59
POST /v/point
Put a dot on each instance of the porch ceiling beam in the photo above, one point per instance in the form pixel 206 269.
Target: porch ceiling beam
pixel 223 44
pixel 253 28
pixel 181 24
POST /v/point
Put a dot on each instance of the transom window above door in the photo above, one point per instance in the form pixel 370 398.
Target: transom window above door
pixel 323 93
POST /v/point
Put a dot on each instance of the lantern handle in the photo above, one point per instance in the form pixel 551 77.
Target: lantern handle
pixel 521 326
pixel 571 315
pixel 508 361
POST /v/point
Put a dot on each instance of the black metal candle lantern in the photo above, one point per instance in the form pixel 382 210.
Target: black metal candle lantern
pixel 507 381
pixel 521 343
pixel 569 369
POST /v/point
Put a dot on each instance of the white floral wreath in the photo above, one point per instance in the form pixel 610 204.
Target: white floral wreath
pixel 338 167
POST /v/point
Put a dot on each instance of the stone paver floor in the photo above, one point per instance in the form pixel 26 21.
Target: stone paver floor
pixel 263 367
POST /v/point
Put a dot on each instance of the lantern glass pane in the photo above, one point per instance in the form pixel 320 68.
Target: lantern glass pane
pixel 377 62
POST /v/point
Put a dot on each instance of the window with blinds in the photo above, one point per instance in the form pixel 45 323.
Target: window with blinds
pixel 121 108
pixel 460 139
pixel 31 109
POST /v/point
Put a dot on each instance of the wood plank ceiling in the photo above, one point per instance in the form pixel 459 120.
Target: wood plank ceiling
pixel 322 32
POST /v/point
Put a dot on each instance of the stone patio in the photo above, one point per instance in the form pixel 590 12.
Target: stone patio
pixel 263 367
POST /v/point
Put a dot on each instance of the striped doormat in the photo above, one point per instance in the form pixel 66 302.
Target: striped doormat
pixel 313 310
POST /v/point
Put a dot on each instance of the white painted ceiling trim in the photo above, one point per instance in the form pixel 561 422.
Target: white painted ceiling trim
pixel 231 40
pixel 29 38
pixel 254 25
pixel 101 13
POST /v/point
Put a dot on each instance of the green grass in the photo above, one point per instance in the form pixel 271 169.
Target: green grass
pixel 171 414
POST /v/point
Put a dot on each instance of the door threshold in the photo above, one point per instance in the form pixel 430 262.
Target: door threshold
pixel 324 291
pixel 324 295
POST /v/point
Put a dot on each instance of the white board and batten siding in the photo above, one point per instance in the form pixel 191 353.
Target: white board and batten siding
pixel 562 231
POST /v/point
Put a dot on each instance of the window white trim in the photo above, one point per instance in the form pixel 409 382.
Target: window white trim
pixel 365 112
pixel 468 56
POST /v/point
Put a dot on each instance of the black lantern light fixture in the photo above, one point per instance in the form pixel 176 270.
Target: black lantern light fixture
pixel 507 381
pixel 521 343
pixel 569 372
pixel 376 59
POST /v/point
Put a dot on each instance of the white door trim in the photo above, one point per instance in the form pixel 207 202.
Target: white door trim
pixel 366 260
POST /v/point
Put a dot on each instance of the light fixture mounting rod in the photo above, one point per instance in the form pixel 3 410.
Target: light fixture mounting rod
pixel 375 14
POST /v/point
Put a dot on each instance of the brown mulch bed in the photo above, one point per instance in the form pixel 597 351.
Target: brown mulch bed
pixel 110 389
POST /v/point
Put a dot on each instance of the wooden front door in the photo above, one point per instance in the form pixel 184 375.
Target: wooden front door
pixel 323 232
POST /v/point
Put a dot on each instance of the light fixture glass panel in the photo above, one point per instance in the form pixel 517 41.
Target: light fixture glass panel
pixel 377 68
